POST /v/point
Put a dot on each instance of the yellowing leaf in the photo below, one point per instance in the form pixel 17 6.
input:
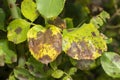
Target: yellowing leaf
pixel 17 30
pixel 29 10
pixel 84 42
pixel 45 44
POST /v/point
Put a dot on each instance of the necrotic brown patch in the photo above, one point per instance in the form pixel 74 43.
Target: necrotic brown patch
pixel 81 49
pixel 45 59
pixel 18 30
pixel 93 33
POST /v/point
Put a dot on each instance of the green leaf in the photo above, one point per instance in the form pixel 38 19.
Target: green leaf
pixel 84 42
pixel 2 19
pixel 110 62
pixel 50 8
pixel 57 73
pixel 72 71
pixel 17 30
pixel 29 10
pixel 67 78
pixel 45 44
pixel 6 55
pixel 23 74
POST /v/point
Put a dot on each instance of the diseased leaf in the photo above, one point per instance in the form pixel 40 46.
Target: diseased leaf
pixel 110 62
pixel 35 67
pixel 100 19
pixel 58 22
pixel 50 8
pixel 6 55
pixel 57 73
pixel 29 9
pixel 17 30
pixel 45 44
pixel 86 64
pixel 2 19
pixel 84 42
pixel 23 74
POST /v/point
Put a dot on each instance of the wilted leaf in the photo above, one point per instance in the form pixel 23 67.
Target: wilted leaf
pixel 45 44
pixel 17 30
pixel 6 55
pixel 29 9
pixel 84 42
pixel 23 74
pixel 100 19
pixel 2 19
pixel 35 67
pixel 86 64
pixel 57 73
pixel 110 62
pixel 50 8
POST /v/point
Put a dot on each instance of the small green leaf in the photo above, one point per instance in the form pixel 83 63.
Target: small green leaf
pixel 84 42
pixel 110 62
pixel 72 71
pixel 23 74
pixel 29 9
pixel 69 22
pixel 17 30
pixel 50 8
pixel 6 55
pixel 57 73
pixel 2 19
pixel 67 78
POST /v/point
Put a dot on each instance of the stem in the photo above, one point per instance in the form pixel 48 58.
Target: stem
pixel 13 9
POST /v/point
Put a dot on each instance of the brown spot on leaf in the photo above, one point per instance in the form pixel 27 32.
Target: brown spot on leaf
pixel 10 5
pixel 73 50
pixel 116 58
pixel 45 59
pixel 18 30
pixel 13 59
pixel 84 64
pixel 55 41
pixel 81 49
pixel 58 22
pixel 93 33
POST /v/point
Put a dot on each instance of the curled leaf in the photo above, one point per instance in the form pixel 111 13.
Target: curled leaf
pixel 45 44
pixel 84 42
